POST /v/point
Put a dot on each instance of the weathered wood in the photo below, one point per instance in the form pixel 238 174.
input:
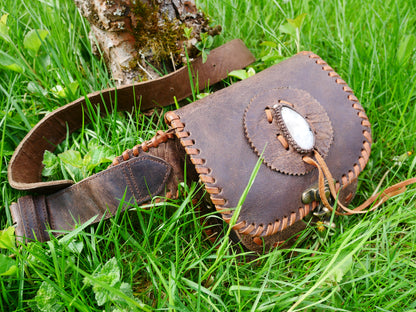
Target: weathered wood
pixel 140 38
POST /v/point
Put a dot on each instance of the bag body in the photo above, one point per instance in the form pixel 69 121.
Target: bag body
pixel 225 133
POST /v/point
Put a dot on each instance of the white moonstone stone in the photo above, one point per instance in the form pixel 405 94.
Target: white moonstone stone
pixel 298 128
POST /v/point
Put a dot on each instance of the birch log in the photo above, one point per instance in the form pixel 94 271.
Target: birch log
pixel 140 39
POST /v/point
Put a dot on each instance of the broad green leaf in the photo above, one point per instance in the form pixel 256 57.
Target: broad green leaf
pixel 406 48
pixel 239 74
pixel 7 238
pixel 51 164
pixel 110 275
pixel 33 39
pixel 76 247
pixel 47 299
pixel 288 29
pixel 337 274
pixel 62 92
pixel 297 22
pixel 251 72
pixel 7 266
pixel 269 44
pixel 209 42
pixel 242 73
pixel 9 62
pixel 4 29
pixel 204 54
pixel 97 156
pixel 71 157
pixel 34 87
pixel 202 95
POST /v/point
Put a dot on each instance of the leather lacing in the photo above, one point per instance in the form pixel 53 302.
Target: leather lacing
pixel 160 137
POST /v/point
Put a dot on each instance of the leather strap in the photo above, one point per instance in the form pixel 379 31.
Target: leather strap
pixel 134 181
pixel 25 168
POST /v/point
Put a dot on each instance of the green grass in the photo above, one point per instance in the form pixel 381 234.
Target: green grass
pixel 163 260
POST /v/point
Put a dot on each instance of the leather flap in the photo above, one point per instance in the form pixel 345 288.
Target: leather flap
pixel 225 141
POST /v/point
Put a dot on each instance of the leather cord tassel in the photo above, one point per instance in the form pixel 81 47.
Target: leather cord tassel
pixel 374 201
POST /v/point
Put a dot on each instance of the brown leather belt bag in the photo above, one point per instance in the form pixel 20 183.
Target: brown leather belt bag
pixel 299 117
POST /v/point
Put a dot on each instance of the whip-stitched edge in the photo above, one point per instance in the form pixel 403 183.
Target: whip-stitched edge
pixel 259 230
pixel 160 137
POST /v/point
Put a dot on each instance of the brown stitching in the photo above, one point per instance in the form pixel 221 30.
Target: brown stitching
pixel 269 230
pixel 321 62
pixel 283 141
pixel 347 89
pixel 224 211
pixel 362 115
pixel 226 217
pixel 136 151
pixel 292 218
pixel 259 231
pixel 248 229
pixel 212 190
pixel 191 150
pixel 197 161
pixel 284 223
pixel 276 226
pixel 269 115
pixel 182 134
pixel 333 74
pixel 362 162
pixel 340 81
pixel 301 213
pixel 344 180
pixel 353 98
pixel 258 241
pixel 366 123
pixel 350 175
pixel 202 170
pixel 357 106
pixel 206 179
pixel 239 225
pixel 187 142
pixel 218 201
pixel 367 147
pixel 356 170
pixel 160 137
pixel 327 68
pixel 367 135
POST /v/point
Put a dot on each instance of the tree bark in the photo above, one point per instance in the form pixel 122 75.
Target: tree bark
pixel 139 39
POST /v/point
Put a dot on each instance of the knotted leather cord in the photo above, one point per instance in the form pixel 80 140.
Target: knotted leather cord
pixel 376 199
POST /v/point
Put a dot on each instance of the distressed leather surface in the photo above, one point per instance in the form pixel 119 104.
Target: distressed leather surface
pixel 216 128
pixel 133 181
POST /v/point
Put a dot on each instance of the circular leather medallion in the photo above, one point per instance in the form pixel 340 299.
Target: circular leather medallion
pixel 263 129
